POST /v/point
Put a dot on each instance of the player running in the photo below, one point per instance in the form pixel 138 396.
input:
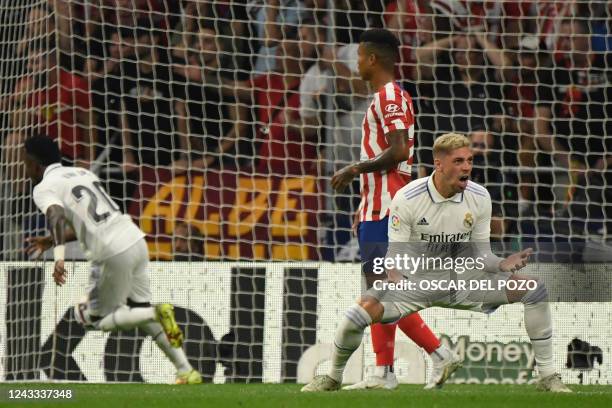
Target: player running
pixel 385 167
pixel 439 211
pixel 118 297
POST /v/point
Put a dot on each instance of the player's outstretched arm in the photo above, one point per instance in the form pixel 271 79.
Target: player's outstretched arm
pixel 398 151
pixel 57 225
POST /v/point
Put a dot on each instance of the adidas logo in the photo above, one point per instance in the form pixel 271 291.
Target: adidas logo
pixel 423 222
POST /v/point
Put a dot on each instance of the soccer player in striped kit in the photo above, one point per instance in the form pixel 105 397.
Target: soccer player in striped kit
pixel 384 168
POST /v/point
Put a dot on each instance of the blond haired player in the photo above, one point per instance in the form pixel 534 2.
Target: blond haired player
pixel 118 297
pixel 444 209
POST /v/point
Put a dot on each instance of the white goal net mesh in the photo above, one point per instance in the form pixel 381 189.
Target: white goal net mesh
pixel 218 125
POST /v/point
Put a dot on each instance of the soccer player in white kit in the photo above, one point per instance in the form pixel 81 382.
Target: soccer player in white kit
pixel 118 296
pixel 446 208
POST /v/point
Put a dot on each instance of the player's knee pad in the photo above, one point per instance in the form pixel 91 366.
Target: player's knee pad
pixel 537 295
pixel 391 313
pixel 84 317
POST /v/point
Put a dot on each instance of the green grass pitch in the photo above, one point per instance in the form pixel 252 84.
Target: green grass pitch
pixel 288 395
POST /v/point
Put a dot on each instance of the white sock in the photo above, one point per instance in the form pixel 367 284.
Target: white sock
pixel 176 355
pixel 440 354
pixel 538 323
pixel 348 338
pixel 126 318
pixel 383 371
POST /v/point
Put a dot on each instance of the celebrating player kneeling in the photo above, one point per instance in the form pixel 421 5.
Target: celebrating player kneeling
pixel 119 295
pixel 436 212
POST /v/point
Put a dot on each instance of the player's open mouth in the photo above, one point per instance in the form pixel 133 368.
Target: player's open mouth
pixel 463 180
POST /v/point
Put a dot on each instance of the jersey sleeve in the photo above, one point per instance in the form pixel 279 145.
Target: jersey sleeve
pixel 400 220
pixel 396 112
pixel 481 236
pixel 45 196
pixel 482 227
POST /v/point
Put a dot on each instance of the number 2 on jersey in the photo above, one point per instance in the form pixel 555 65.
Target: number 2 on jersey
pixel 77 192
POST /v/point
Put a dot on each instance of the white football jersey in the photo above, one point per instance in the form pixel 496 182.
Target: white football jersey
pixel 420 214
pixel 101 228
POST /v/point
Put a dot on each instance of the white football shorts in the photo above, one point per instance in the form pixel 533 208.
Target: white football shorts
pixel 119 278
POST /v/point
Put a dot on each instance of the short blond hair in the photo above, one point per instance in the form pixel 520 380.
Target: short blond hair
pixel 449 142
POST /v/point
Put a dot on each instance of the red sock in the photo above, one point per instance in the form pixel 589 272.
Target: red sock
pixel 383 342
pixel 415 328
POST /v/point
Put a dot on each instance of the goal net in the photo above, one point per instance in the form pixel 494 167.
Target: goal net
pixel 218 126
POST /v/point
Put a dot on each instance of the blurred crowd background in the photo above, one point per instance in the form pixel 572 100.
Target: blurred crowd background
pixel 270 89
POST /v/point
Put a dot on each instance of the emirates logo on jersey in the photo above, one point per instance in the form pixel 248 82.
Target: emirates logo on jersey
pixel 392 108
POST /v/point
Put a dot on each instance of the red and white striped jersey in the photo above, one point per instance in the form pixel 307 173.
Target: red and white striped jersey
pixel 390 110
